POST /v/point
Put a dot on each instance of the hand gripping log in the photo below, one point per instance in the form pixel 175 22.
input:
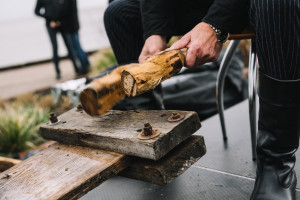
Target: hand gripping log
pixel 131 80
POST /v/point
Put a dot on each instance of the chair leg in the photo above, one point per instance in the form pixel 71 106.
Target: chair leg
pixel 220 82
pixel 252 74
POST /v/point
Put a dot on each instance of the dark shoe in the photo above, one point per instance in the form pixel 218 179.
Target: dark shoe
pixel 278 139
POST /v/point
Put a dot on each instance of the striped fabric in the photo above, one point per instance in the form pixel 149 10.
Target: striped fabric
pixel 277 26
pixel 123 24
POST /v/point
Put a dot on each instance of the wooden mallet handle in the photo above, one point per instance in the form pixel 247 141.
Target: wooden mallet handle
pixel 146 76
pixel 133 79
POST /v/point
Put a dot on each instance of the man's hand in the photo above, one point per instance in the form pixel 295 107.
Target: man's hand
pixel 203 45
pixel 153 45
pixel 54 24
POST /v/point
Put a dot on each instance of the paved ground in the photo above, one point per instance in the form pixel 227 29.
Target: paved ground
pixel 226 172
pixel 36 77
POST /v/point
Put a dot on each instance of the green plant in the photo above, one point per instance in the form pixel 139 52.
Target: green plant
pixel 19 127
pixel 106 59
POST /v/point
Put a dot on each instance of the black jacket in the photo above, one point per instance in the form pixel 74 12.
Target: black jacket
pixel 51 10
pixel 70 23
pixel 64 11
pixel 159 16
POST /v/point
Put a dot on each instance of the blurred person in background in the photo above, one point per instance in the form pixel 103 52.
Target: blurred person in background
pixel 55 12
pixel 70 28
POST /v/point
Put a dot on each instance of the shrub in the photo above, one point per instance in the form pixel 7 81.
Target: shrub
pixel 105 59
pixel 19 127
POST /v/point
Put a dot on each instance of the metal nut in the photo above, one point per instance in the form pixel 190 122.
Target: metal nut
pixel 175 117
pixel 79 107
pixel 53 118
pixel 148 132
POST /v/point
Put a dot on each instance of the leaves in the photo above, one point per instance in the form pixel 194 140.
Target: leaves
pixel 19 127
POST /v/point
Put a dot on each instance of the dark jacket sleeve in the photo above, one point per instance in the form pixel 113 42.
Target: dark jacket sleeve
pixel 228 15
pixel 69 18
pixel 51 9
pixel 38 7
pixel 157 17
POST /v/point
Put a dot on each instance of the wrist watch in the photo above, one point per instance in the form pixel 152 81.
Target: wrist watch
pixel 221 35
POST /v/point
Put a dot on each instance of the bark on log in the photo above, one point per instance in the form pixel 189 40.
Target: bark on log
pixel 103 93
pixel 146 76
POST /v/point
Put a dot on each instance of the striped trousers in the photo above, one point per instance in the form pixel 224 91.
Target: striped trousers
pixel 277 27
pixel 276 23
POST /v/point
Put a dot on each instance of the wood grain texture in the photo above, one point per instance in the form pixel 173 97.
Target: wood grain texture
pixel 146 76
pixel 118 131
pixel 103 93
pixel 60 172
pixel 170 166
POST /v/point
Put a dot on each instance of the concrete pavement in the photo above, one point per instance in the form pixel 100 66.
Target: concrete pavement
pixel 18 81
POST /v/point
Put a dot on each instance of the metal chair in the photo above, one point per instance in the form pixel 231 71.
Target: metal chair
pixel 235 41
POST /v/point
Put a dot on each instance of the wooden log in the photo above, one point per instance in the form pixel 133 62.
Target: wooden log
pixel 146 76
pixel 170 166
pixel 60 172
pixel 6 163
pixel 118 131
pixel 103 93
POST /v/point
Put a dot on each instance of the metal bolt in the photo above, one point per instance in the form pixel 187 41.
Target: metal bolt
pixel 6 176
pixel 79 107
pixel 53 118
pixel 175 117
pixel 147 130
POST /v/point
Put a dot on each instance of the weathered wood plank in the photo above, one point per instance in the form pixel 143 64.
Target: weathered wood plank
pixel 60 172
pixel 68 172
pixel 168 167
pixel 118 131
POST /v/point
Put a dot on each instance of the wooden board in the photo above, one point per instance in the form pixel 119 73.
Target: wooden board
pixel 170 166
pixel 118 131
pixel 69 172
pixel 60 172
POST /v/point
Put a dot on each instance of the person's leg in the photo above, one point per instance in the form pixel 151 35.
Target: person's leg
pixel 122 20
pixel 124 28
pixel 123 24
pixel 83 57
pixel 52 35
pixel 71 51
pixel 277 26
